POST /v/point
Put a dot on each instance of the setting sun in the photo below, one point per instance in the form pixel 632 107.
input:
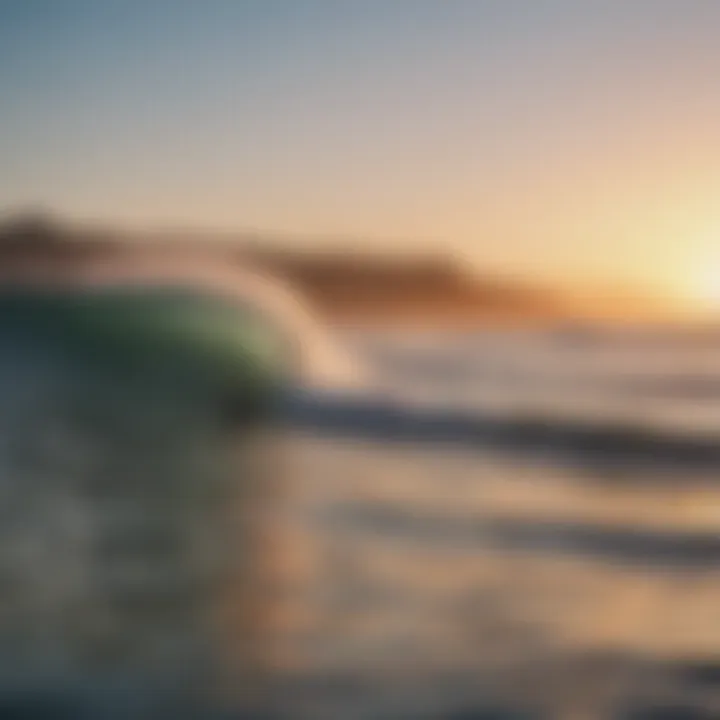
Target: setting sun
pixel 703 290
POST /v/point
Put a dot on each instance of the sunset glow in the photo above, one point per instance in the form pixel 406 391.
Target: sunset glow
pixel 550 140
pixel 703 291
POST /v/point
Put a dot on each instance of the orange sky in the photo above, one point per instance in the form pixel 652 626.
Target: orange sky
pixel 544 138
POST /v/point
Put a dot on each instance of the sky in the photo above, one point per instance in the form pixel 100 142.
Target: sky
pixel 571 139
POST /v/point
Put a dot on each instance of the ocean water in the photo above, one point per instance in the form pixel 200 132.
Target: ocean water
pixel 131 487
pixel 481 525
pixel 508 524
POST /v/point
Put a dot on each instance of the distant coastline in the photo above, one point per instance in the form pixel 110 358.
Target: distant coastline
pixel 344 287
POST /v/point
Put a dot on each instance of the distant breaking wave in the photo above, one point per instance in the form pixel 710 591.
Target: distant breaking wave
pixel 607 399
pixel 321 361
pixel 522 393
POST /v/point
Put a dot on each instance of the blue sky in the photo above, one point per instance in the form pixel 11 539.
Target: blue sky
pixel 557 137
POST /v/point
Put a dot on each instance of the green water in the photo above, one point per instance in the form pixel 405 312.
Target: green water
pixel 123 497
pixel 182 333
